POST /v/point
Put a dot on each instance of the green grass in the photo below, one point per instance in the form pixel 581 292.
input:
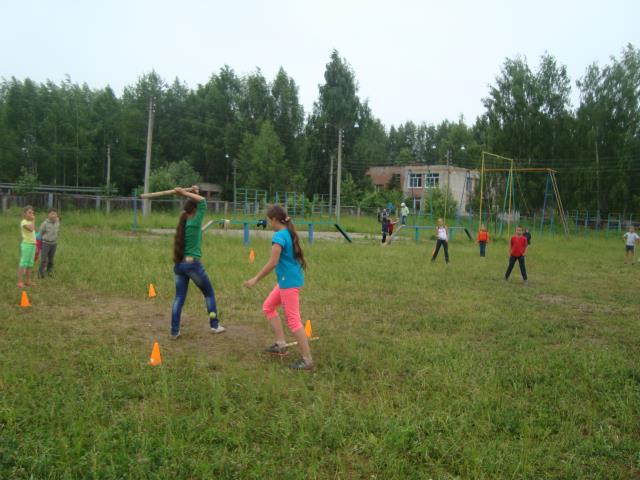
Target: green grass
pixel 423 370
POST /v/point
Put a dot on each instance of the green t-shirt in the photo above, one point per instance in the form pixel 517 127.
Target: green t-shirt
pixel 193 232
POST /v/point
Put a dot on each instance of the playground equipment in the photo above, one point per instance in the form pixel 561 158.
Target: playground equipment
pixel 490 191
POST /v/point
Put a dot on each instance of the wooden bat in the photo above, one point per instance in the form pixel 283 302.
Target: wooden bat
pixel 291 344
pixel 164 193
pixel 207 225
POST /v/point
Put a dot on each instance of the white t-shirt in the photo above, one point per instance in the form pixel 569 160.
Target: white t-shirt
pixel 631 238
pixel 442 234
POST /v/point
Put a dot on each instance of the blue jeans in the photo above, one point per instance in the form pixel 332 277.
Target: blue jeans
pixel 184 271
pixel 483 248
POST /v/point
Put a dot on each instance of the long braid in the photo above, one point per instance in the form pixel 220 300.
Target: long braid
pixel 178 239
pixel 280 214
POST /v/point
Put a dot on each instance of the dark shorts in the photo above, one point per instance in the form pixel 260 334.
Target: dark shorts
pixel 630 248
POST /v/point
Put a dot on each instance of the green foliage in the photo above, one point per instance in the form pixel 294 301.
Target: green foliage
pixel 27 181
pixel 61 132
pixel 339 102
pixel 176 174
pixel 441 202
pixel 263 163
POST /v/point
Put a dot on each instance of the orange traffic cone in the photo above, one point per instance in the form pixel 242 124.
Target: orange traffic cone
pixel 307 328
pixel 252 256
pixel 152 291
pixel 155 358
pixel 24 301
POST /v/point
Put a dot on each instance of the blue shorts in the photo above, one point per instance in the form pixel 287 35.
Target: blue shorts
pixel 630 248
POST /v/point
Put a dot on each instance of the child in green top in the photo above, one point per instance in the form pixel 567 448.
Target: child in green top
pixel 187 251
pixel 27 247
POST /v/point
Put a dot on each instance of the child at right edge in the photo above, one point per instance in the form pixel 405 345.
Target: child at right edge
pixel 517 253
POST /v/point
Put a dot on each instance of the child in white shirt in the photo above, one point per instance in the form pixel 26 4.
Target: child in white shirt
pixel 442 240
pixel 631 238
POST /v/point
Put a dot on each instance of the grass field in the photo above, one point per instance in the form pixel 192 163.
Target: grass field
pixel 423 370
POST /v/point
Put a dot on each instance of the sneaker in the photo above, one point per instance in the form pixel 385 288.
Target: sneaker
pixel 175 337
pixel 218 329
pixel 276 349
pixel 302 366
pixel 525 283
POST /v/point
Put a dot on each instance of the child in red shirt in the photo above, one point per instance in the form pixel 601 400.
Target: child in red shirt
pixel 483 239
pixel 517 252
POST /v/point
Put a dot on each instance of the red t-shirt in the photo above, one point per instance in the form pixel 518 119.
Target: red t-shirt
pixel 518 245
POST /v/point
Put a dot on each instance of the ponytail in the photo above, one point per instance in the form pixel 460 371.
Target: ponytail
pixel 280 214
pixel 178 239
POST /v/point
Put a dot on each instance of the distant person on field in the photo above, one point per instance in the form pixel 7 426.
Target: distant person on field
pixel 187 251
pixel 517 252
pixel 483 239
pixel 442 240
pixel 631 238
pixel 27 247
pixel 288 260
pixel 527 235
pixel 49 230
pixel 386 222
pixel 404 213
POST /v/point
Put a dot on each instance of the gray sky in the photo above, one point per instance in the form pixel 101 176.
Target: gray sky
pixel 423 61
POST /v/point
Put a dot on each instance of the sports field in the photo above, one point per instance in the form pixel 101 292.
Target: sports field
pixel 423 370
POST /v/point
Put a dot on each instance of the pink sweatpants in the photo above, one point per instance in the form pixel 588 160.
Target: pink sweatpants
pixel 289 298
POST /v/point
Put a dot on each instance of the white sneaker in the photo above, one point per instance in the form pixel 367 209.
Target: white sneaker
pixel 220 329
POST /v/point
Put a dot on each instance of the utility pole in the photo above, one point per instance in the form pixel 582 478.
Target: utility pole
pixel 446 194
pixel 448 170
pixel 597 175
pixel 146 203
pixel 339 175
pixel 109 166
pixel 108 177
pixel 235 172
pixel 330 183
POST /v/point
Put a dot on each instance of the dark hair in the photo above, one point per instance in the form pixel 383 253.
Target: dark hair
pixel 278 213
pixel 52 210
pixel 178 241
pixel 24 210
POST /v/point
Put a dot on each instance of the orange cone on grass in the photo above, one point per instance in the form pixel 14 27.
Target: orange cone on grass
pixel 24 301
pixel 307 328
pixel 252 256
pixel 155 358
pixel 152 291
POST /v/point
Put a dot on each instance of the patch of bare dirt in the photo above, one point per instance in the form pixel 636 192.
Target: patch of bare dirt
pixel 554 299
pixel 144 321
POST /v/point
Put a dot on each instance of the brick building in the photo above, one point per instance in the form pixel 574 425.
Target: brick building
pixel 416 180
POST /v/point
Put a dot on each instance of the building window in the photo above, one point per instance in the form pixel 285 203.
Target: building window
pixel 378 187
pixel 415 180
pixel 431 180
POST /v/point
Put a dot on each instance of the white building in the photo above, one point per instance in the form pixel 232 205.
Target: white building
pixel 416 180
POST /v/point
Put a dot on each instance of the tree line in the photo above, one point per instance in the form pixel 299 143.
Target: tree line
pixel 255 131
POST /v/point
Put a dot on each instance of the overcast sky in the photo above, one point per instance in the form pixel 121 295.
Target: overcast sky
pixel 423 61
